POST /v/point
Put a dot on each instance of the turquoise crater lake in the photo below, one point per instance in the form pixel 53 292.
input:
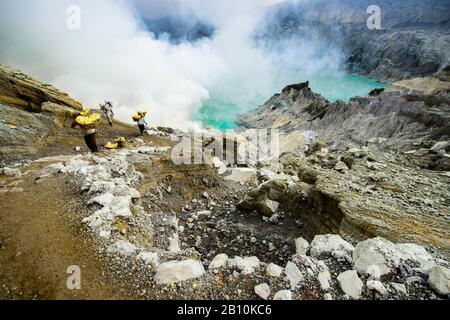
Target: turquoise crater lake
pixel 221 112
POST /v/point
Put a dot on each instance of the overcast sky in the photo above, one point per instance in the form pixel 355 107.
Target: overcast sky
pixel 160 8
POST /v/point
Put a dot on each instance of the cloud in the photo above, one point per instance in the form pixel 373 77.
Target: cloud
pixel 113 57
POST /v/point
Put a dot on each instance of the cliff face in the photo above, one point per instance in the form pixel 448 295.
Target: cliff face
pixel 19 89
pixel 411 115
pixel 414 39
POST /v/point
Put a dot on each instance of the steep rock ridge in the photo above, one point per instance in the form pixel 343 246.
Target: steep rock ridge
pixel 18 89
pixel 410 117
pixel 395 55
pixel 414 39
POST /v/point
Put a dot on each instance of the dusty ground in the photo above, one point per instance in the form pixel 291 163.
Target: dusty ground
pixel 41 233
pixel 39 242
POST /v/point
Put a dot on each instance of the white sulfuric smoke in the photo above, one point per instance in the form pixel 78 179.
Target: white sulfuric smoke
pixel 114 57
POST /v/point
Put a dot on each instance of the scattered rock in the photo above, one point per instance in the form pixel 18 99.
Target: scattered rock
pixel 10 172
pixel 174 244
pixel 399 287
pixel 377 251
pixel 341 167
pixel 377 285
pixel 123 248
pixel 246 265
pixel 149 258
pixel 274 270
pixel 388 256
pixel 178 271
pixel 301 246
pixel 439 280
pixel 241 175
pixel 350 284
pixel 283 295
pixel 219 261
pixel 293 274
pixel 327 296
pixel 332 245
pixel 263 290
pixel 324 280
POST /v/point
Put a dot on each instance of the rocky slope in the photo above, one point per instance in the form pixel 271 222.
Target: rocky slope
pixel 326 224
pixel 414 39
pixel 411 117
pixel 163 231
pixel 33 120
pixel 18 89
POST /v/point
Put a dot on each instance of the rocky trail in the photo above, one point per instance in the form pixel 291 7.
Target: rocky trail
pixel 337 220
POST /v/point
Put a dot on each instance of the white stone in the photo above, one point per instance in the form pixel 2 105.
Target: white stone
pixel 174 244
pixel 389 256
pixel 283 295
pixel 246 265
pixel 269 207
pixel 202 214
pixel 293 274
pixel 219 165
pixel 301 246
pixel 219 261
pixel 399 287
pixel 263 290
pixel 327 296
pixel 274 270
pixel 374 272
pixel 350 284
pixel 441 145
pixel 324 280
pixel 271 247
pixel 241 175
pixel 416 254
pixel 333 245
pixel 439 280
pixel 123 248
pixel 51 169
pixel 377 251
pixel 341 167
pixel 150 258
pixel 10 172
pixel 376 285
pixel 178 271
pixel 105 234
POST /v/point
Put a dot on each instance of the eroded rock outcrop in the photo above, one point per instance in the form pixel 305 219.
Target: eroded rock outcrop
pixel 18 89
pixel 410 118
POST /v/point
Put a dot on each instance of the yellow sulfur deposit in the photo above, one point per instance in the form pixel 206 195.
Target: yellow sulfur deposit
pixel 111 145
pixel 86 120
pixel 86 112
